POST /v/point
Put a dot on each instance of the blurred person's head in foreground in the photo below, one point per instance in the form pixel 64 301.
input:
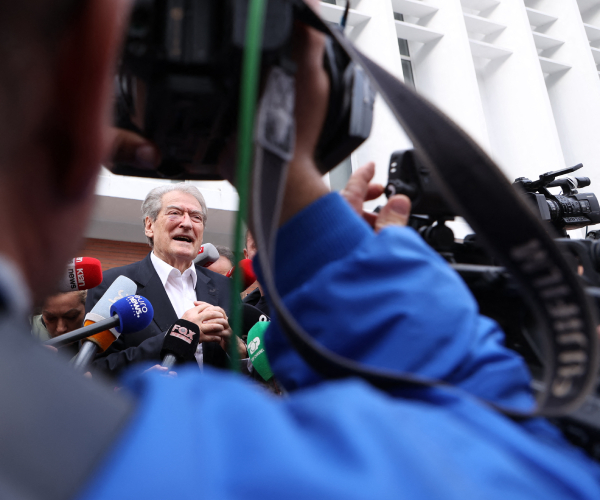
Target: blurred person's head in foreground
pixel 56 81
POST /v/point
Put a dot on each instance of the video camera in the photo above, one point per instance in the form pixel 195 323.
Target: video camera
pixel 569 210
pixel 180 75
pixel 497 293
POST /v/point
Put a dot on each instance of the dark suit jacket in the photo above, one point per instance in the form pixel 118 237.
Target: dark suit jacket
pixel 211 287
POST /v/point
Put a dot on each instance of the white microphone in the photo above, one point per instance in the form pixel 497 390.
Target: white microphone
pixel 121 287
pixel 207 255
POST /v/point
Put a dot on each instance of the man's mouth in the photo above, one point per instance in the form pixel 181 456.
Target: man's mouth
pixel 183 238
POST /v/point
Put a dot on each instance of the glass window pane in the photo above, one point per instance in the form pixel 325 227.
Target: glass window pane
pixel 339 176
pixel 407 71
pixel 398 17
pixel 329 1
pixel 403 46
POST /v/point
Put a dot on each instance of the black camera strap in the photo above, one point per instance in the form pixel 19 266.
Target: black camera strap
pixel 525 247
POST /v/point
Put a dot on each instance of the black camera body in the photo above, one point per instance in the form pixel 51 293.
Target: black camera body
pixel 569 210
pixel 180 74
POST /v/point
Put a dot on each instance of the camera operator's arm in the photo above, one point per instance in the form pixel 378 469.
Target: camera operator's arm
pixel 304 183
pixel 386 300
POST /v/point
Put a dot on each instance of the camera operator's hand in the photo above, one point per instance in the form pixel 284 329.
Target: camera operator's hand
pixel 129 147
pixel 360 189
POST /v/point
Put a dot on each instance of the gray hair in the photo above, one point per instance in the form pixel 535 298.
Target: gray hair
pixel 226 252
pixel 153 202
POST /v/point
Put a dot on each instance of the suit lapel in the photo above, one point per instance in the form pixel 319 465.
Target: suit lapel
pixel 206 290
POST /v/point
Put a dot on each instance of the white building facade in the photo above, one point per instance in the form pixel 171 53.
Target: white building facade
pixel 520 76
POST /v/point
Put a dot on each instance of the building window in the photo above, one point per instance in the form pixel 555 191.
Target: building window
pixel 329 1
pixel 407 70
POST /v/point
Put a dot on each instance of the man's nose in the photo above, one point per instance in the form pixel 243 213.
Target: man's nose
pixel 61 327
pixel 186 221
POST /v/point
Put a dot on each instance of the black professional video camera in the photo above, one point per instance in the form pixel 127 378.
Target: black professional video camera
pixel 180 75
pixel 570 209
pixel 497 293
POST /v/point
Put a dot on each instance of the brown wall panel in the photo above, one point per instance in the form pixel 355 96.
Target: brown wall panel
pixel 114 253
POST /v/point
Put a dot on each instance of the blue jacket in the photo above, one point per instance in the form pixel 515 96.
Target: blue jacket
pixel 388 301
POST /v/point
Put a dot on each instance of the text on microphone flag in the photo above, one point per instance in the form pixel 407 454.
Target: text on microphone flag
pixel 181 332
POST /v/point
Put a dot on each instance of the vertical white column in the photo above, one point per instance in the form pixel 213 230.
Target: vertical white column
pixel 521 127
pixel 444 71
pixel 377 39
pixel 575 94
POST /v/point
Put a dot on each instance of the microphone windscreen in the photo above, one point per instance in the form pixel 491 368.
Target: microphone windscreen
pixel 121 287
pixel 135 313
pixel 250 316
pixel 248 275
pixel 256 350
pixel 181 340
pixel 207 255
pixel 82 273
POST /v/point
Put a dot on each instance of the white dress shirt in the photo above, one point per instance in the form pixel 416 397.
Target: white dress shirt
pixel 180 288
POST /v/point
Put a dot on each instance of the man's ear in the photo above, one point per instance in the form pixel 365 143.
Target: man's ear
pixel 245 253
pixel 148 228
pixel 78 132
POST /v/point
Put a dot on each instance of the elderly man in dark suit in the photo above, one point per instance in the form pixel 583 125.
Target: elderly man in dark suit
pixel 174 221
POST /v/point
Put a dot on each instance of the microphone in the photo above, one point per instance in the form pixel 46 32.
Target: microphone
pixel 82 273
pixel 250 316
pixel 127 315
pixel 256 350
pixel 121 287
pixel 248 275
pixel 180 344
pixel 207 255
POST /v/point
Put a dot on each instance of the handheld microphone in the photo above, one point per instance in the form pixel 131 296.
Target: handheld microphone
pixel 121 287
pixel 256 350
pixel 180 344
pixel 82 273
pixel 248 275
pixel 129 314
pixel 207 255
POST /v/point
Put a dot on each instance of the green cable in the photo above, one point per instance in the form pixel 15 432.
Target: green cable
pixel 247 111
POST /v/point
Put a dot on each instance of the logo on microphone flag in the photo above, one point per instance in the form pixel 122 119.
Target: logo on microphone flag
pixel 252 346
pixel 138 306
pixel 181 332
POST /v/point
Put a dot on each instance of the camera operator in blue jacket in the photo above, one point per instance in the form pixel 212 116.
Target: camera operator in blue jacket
pixel 377 295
